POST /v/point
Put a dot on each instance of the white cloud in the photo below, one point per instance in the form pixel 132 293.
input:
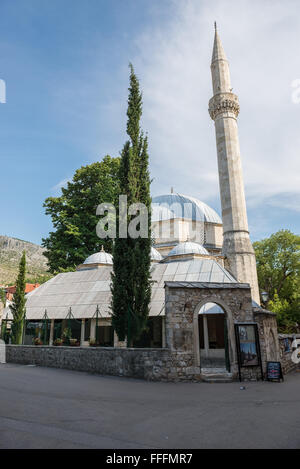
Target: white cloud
pixel 57 188
pixel 261 40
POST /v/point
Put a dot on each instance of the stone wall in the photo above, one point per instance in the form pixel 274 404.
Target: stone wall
pixel 149 364
pixel 183 303
pixel 268 336
pixel 286 350
pixel 181 360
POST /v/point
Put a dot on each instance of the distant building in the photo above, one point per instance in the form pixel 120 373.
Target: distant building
pixel 10 291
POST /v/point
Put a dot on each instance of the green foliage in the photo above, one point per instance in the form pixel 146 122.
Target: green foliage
pixel 278 269
pixel 287 314
pixel 3 296
pixel 18 305
pixel 67 335
pixel 74 214
pixel 131 284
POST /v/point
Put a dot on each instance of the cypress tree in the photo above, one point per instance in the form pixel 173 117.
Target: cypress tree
pixel 18 305
pixel 131 284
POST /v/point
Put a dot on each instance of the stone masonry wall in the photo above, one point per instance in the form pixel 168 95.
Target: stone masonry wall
pixel 286 355
pixel 268 336
pixel 182 306
pixel 149 364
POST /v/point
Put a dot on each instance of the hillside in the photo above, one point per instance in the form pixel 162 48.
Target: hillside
pixel 10 254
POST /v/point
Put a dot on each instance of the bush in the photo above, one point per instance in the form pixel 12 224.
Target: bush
pixel 37 341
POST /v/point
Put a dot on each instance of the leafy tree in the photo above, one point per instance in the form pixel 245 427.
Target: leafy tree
pixel 278 269
pixel 288 314
pixel 18 304
pixel 74 214
pixel 3 297
pixel 131 284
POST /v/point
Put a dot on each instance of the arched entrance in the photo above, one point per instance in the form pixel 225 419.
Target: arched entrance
pixel 213 336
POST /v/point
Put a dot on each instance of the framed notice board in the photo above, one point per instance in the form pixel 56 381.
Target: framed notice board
pixel 248 349
pixel 274 371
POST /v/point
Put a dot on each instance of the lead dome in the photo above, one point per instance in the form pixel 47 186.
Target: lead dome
pixel 188 247
pixel 170 206
pixel 100 257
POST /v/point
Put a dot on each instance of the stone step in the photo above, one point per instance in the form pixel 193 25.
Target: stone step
pixel 223 379
pixel 216 375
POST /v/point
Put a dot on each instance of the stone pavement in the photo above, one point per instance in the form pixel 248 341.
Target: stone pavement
pixel 55 408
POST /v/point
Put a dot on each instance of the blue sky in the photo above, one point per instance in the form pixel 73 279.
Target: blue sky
pixel 65 64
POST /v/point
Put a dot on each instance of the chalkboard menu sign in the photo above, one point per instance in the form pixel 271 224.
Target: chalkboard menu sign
pixel 274 371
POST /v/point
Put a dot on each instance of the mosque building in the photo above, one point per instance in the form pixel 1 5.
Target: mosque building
pixel 203 265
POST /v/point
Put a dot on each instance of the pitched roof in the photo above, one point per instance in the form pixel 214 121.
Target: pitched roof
pixel 84 290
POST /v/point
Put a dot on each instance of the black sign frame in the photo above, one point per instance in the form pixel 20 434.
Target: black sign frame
pixel 237 327
pixel 280 373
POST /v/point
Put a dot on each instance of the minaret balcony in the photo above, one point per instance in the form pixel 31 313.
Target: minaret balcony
pixel 223 103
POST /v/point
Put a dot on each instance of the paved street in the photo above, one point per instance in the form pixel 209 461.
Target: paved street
pixel 52 408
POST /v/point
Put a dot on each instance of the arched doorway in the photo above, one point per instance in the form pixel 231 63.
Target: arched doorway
pixel 213 336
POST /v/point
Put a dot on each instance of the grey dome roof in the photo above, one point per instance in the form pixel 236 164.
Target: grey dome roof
pixel 188 247
pixel 169 206
pixel 155 255
pixel 160 212
pixel 101 257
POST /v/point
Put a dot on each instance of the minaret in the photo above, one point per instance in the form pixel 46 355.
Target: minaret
pixel 224 109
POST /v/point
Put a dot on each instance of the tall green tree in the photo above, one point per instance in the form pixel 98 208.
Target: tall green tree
pixel 131 283
pixel 18 304
pixel 3 296
pixel 74 216
pixel 278 269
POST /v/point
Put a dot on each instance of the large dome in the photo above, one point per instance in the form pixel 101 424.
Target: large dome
pixel 188 248
pixel 170 206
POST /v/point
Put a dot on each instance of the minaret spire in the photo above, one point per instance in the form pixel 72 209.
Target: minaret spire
pixel 224 109
pixel 220 66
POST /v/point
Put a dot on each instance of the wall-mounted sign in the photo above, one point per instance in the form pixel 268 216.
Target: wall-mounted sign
pixel 248 348
pixel 286 343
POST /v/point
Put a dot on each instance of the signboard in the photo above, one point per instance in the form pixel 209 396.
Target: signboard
pixel 248 346
pixel 274 371
pixel 286 343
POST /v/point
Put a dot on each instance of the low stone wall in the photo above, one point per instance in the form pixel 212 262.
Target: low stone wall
pixel 286 350
pixel 149 364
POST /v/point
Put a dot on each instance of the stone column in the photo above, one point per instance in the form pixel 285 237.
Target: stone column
pixel 119 343
pixel 93 329
pixel 82 332
pixel 51 332
pixel 205 333
pixel 163 324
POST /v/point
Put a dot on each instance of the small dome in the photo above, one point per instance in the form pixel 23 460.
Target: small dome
pixel 188 248
pixel 101 257
pixel 155 255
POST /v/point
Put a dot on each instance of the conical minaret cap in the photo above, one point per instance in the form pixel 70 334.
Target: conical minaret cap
pixel 218 50
pixel 220 67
